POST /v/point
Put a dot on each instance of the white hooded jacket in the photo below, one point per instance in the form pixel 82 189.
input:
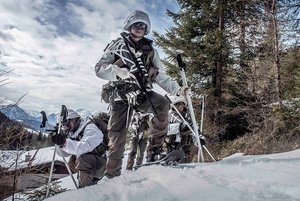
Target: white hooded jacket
pixel 105 71
pixel 91 138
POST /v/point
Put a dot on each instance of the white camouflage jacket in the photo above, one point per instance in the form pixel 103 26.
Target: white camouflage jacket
pixel 91 138
pixel 104 70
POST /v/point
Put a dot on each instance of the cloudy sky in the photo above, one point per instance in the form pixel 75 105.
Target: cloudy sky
pixel 52 47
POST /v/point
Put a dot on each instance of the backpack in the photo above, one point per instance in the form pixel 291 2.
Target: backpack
pixel 101 121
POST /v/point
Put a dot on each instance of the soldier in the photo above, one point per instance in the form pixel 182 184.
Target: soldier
pixel 131 64
pixel 179 135
pixel 84 140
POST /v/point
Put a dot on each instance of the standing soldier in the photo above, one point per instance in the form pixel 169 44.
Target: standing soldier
pixel 131 65
pixel 139 140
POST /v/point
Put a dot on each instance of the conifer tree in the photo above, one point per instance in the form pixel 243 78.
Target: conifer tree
pixel 207 34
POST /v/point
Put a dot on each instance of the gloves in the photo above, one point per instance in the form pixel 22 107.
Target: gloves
pixel 201 138
pixel 59 139
pixel 123 73
pixel 202 141
pixel 184 90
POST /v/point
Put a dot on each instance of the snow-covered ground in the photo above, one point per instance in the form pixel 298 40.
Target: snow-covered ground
pixel 43 155
pixel 273 177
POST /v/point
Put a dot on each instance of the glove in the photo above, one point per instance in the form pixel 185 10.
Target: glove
pixel 202 141
pixel 122 73
pixel 184 91
pixel 201 138
pixel 59 139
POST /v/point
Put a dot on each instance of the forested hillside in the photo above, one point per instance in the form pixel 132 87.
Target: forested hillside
pixel 243 56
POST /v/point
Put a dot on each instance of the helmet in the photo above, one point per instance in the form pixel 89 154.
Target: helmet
pixel 178 99
pixel 137 16
pixel 72 114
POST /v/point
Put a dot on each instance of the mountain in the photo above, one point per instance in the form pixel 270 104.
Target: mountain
pixel 83 113
pixel 32 118
pixel 52 117
pixel 14 112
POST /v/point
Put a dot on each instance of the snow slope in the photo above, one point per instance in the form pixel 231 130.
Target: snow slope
pixel 272 177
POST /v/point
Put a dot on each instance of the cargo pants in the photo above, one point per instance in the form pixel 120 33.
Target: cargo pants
pixel 90 168
pixel 117 130
pixel 137 149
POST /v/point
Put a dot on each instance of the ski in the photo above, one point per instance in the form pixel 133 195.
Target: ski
pixel 172 158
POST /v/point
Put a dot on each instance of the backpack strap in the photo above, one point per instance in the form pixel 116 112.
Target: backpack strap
pixel 102 147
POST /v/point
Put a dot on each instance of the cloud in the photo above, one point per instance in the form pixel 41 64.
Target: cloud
pixel 53 46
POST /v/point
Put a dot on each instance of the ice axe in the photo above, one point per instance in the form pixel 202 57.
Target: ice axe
pixel 182 67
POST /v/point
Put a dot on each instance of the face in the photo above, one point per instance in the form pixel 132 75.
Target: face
pixel 71 124
pixel 180 106
pixel 138 29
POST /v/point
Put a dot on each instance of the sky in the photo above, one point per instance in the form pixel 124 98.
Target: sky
pixel 52 46
pixel 239 177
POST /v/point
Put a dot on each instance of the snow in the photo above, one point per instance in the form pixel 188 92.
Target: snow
pixel 272 177
pixel 43 155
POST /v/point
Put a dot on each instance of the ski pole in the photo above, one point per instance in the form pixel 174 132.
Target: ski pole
pixel 202 114
pixel 190 106
pixel 63 114
pixel 51 170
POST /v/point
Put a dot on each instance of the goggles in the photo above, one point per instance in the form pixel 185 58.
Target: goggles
pixel 180 104
pixel 68 121
pixel 139 25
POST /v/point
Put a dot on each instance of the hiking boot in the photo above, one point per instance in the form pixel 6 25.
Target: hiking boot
pixel 85 179
pixel 155 154
pixel 130 163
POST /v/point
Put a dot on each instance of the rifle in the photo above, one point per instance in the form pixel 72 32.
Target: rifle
pixel 138 62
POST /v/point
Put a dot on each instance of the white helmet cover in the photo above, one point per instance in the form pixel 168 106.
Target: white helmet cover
pixel 72 114
pixel 137 16
pixel 178 99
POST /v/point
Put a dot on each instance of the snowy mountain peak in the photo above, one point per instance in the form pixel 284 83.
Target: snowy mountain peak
pixel 84 113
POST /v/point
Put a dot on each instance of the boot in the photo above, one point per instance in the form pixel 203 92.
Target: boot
pixel 85 179
pixel 130 163
pixel 113 168
pixel 154 154
pixel 139 161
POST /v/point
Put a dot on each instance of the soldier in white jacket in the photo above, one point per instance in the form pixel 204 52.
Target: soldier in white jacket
pixel 179 136
pixel 84 140
pixel 131 64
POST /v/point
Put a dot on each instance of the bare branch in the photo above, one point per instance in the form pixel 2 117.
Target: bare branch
pixel 19 100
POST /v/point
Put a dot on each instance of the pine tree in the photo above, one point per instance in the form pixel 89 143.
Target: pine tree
pixel 206 33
